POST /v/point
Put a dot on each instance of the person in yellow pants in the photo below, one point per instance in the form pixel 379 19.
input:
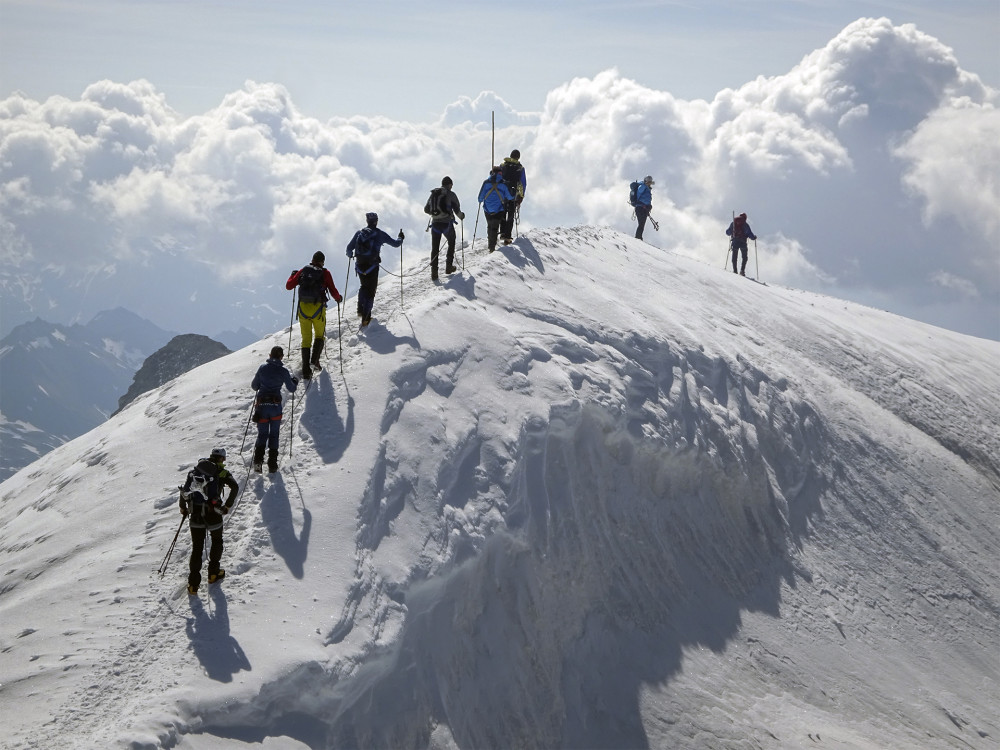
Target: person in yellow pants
pixel 313 281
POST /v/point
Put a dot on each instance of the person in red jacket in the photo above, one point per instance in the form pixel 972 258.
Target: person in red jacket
pixel 313 281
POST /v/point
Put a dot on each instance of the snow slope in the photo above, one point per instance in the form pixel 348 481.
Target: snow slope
pixel 583 494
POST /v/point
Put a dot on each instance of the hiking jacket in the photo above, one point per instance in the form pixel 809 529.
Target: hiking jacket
pixel 644 195
pixel 328 285
pixel 749 232
pixel 371 260
pixel 494 194
pixel 269 378
pixel 451 206
pixel 522 184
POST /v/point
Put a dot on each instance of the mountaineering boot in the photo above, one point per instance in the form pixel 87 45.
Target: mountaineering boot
pixel 317 349
pixel 258 459
pixel 216 577
pixel 450 269
pixel 192 590
pixel 306 372
pixel 434 273
pixel 272 461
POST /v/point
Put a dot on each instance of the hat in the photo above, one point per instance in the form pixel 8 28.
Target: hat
pixel 515 154
pixel 318 258
pixel 218 453
pixel 372 218
pixel 649 180
pixel 277 352
pixel 446 181
pixel 743 216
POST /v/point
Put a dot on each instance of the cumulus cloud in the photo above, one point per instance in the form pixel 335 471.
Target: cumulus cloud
pixel 869 169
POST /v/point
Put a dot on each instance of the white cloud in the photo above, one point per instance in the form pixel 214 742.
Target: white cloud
pixel 857 166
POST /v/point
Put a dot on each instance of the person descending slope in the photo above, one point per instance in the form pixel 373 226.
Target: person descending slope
pixel 313 281
pixel 443 205
pixel 365 247
pixel 740 231
pixel 495 197
pixel 267 414
pixel 516 181
pixel 201 499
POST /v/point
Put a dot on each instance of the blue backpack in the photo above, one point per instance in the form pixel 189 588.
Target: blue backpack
pixel 365 248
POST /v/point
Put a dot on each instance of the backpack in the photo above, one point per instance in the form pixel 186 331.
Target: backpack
pixel 364 248
pixel 511 174
pixel 633 193
pixel 435 203
pixel 311 284
pixel 202 487
pixel 739 228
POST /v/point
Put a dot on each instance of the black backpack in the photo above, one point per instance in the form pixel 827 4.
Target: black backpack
pixel 364 248
pixel 202 487
pixel 739 228
pixel 511 174
pixel 311 284
pixel 435 204
pixel 633 194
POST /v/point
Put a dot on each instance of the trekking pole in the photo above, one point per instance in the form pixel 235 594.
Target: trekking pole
pixel 340 341
pixel 729 252
pixel 474 230
pixel 653 222
pixel 462 226
pixel 253 405
pixel 291 428
pixel 756 262
pixel 170 550
pixel 400 273
pixel 291 322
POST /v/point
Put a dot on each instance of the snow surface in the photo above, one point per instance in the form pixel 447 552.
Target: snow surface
pixel 585 493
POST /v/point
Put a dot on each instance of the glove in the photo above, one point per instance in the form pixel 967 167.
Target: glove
pixel 295 381
pixel 294 271
pixel 461 215
pixel 184 513
pixel 224 509
pixel 401 236
pixel 350 253
pixel 519 199
pixel 339 298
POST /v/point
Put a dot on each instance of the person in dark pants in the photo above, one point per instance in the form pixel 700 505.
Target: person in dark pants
pixel 495 197
pixel 267 414
pixel 740 232
pixel 514 178
pixel 365 247
pixel 201 499
pixel 644 204
pixel 443 205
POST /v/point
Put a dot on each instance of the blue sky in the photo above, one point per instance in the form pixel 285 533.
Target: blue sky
pixel 409 60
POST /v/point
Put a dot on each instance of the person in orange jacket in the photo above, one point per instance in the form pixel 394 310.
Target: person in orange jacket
pixel 313 281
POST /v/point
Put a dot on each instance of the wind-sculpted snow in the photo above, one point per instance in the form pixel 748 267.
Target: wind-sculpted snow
pixel 584 494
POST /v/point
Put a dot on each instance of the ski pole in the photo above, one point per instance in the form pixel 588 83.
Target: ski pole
pixel 170 550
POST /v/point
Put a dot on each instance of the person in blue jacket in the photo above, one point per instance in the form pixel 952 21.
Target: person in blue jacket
pixel 740 232
pixel 365 247
pixel 267 409
pixel 495 197
pixel 644 204
pixel 514 177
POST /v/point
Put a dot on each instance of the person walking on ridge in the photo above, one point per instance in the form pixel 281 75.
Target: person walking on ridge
pixel 314 282
pixel 644 204
pixel 443 205
pixel 514 178
pixel 495 197
pixel 740 232
pixel 201 499
pixel 267 414
pixel 365 247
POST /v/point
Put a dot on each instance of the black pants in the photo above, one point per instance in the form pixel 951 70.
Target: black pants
pixel 739 245
pixel 366 295
pixel 507 223
pixel 641 214
pixel 437 231
pixel 198 549
pixel 493 228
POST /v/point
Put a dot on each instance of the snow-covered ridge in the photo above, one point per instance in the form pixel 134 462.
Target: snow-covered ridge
pixel 584 494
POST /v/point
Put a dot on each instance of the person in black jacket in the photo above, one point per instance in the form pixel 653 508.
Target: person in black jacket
pixel 201 498
pixel 443 206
